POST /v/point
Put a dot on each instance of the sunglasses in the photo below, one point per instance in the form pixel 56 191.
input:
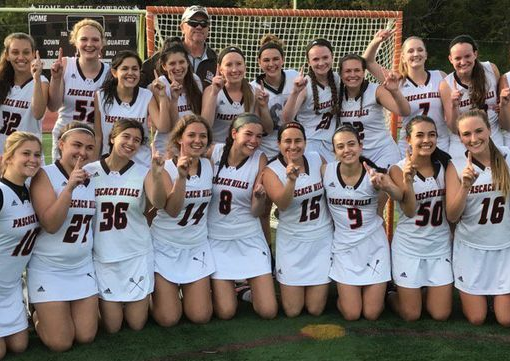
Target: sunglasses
pixel 195 23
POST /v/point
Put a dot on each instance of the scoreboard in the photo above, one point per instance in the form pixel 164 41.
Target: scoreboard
pixel 52 31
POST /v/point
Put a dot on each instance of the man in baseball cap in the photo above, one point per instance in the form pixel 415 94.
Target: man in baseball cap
pixel 195 29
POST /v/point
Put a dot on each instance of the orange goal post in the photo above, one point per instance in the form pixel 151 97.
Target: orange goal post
pixel 349 31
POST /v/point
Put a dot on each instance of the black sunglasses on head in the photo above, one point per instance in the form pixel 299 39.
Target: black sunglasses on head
pixel 195 23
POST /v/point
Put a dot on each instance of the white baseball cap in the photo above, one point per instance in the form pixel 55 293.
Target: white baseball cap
pixel 192 11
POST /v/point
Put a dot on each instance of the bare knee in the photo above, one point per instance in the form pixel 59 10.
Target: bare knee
pixel 372 314
pixel 137 324
pixel 315 310
pixel 410 315
pixel 476 320
pixel 112 327
pixel 503 320
pixel 200 317
pixel 19 346
pixel 84 338
pixel 59 345
pixel 166 319
pixel 225 312
pixel 292 311
pixel 441 315
pixel 267 312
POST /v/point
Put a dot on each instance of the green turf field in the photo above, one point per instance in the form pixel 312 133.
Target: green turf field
pixel 247 337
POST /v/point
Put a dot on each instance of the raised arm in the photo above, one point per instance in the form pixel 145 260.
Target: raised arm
pixel 50 209
pixel 457 189
pixel 40 94
pixel 56 88
pixel 371 51
pixel 258 198
pixel 296 98
pixel 389 96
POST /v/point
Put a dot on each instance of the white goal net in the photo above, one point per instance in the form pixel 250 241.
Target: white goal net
pixel 348 31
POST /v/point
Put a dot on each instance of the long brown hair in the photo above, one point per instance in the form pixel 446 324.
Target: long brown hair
pixel 248 97
pixel 478 89
pixel 499 167
pixel 6 69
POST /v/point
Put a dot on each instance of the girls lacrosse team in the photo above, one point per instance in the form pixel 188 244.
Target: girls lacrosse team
pixel 157 201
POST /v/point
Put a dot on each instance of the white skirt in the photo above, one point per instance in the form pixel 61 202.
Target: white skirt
pixel 183 265
pixel 60 285
pixel 324 148
pixel 241 258
pixel 479 271
pixel 13 314
pixel 414 272
pixel 303 263
pixel 127 280
pixel 384 156
pixel 367 263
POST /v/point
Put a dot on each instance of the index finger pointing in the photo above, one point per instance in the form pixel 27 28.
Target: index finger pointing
pixel 261 84
pixel 217 69
pixel 37 57
pixel 469 160
pixel 78 164
pixel 302 70
pixel 156 75
pixel 368 168
pixel 60 54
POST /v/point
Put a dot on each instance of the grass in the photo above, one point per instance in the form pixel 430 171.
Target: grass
pixel 247 337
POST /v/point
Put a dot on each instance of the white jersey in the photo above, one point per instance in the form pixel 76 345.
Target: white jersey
pixel 353 208
pixel 318 126
pixel 71 246
pixel 506 133
pixel 427 234
pixel 183 108
pixel 121 231
pixel 18 231
pixel 366 115
pixel 16 111
pixel 306 218
pixel 137 109
pixel 226 111
pixel 78 98
pixel 277 99
pixel 485 222
pixel 230 215
pixel 491 102
pixel 189 228
pixel 425 100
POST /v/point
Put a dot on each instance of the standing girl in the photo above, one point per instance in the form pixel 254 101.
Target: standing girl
pixel 361 254
pixel 23 90
pixel 74 80
pixel 121 97
pixel 313 101
pixel 472 85
pixel 362 105
pixel 18 230
pixel 123 256
pixel 61 278
pixel 419 86
pixel 182 86
pixel 421 247
pixel 305 231
pixel 477 190
pixel 231 95
pixel 237 241
pixel 183 257
pixel 278 84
